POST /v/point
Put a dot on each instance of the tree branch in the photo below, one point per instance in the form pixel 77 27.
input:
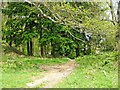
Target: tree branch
pixel 76 37
pixel 51 11
pixel 42 13
pixel 112 21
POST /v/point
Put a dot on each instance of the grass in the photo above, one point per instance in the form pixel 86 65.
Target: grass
pixel 17 71
pixel 94 71
pixel 18 79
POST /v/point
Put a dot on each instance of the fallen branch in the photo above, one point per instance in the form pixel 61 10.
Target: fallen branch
pixel 8 49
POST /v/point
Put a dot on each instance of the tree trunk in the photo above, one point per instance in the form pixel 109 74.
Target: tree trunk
pixel 53 49
pixel 77 51
pixel 118 32
pixel 31 48
pixel 112 10
pixel 10 44
pixel 28 48
pixel 118 13
pixel 52 45
pixel 45 50
pixel 8 49
pixel 42 51
pixel 41 45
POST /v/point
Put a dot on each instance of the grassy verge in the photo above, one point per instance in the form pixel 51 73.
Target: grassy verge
pixel 94 71
pixel 17 71
pixel 18 79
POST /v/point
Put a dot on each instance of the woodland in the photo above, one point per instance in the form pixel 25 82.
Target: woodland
pixel 37 34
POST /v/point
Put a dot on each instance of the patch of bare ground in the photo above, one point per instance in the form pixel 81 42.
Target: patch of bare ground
pixel 54 74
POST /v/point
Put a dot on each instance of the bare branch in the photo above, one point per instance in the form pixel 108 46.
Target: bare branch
pixel 51 11
pixel 110 5
pixel 76 37
pixel 42 13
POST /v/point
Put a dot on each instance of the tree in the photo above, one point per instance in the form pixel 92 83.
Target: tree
pixel 20 25
pixel 62 28
pixel 118 31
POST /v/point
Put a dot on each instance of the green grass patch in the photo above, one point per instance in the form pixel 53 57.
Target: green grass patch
pixel 17 71
pixel 94 71
pixel 18 79
pixel 14 64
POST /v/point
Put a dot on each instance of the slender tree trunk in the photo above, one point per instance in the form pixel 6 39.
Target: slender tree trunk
pixel 77 51
pixel 52 45
pixel 10 44
pixel 45 50
pixel 30 42
pixel 118 13
pixel 53 49
pixel 41 45
pixel 118 31
pixel 42 51
pixel 112 10
pixel 31 48
pixel 28 48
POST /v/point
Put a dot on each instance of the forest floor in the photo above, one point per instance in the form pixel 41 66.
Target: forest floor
pixel 88 71
pixel 53 75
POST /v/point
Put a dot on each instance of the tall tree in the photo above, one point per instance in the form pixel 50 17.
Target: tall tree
pixel 118 32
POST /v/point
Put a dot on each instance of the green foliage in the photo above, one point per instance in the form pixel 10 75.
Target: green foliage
pixel 14 64
pixel 25 22
pixel 104 61
pixel 20 25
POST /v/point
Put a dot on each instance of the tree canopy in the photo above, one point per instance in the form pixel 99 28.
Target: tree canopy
pixel 58 29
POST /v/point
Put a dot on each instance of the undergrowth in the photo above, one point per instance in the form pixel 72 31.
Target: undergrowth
pixel 94 71
pixel 13 64
pixel 17 71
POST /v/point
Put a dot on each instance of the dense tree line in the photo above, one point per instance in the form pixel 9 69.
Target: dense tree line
pixel 58 29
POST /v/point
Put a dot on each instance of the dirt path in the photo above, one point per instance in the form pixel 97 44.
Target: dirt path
pixel 54 74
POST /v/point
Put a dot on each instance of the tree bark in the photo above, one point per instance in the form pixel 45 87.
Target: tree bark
pixel 31 48
pixel 53 49
pixel 28 48
pixel 118 13
pixel 30 43
pixel 118 31
pixel 41 45
pixel 77 51
pixel 12 49
pixel 112 10
pixel 10 43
